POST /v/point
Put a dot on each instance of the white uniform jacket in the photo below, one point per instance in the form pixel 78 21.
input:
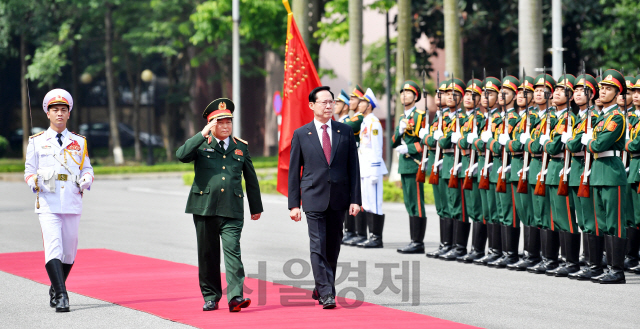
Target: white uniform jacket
pixel 371 139
pixel 64 195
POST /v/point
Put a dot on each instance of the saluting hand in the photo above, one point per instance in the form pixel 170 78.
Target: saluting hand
pixel 211 126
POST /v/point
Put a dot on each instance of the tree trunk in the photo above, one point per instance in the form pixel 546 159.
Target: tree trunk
pixel 75 117
pixel 167 124
pixel 452 41
pixel 26 115
pixel 133 77
pixel 301 15
pixel 530 52
pixel 404 49
pixel 274 81
pixel 355 41
pixel 118 157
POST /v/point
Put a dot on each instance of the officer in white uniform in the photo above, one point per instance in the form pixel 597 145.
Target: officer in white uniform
pixel 58 169
pixel 372 168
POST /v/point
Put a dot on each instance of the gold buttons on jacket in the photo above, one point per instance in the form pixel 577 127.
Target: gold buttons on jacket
pixel 224 156
pixel 208 156
pixel 200 192
pixel 223 168
pixel 221 190
pixel 223 178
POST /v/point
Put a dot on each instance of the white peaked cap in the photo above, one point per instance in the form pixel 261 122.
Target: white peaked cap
pixel 57 96
pixel 371 97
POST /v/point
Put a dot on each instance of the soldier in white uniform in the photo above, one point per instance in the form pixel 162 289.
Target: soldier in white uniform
pixel 58 169
pixel 372 168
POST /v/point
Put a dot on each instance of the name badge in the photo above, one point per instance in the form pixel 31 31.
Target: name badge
pixel 208 150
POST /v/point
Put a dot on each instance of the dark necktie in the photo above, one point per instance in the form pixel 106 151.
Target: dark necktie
pixel 222 145
pixel 326 143
pixel 59 139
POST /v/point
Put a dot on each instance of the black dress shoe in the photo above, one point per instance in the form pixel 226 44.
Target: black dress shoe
pixel 52 297
pixel 348 236
pixel 237 303
pixel 210 306
pixel 328 301
pixel 316 296
pixel 442 249
pixel 412 248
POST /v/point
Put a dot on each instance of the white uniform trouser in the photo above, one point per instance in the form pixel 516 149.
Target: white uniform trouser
pixel 60 236
pixel 371 194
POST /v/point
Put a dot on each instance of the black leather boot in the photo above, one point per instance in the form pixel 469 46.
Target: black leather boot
pixel 418 227
pixel 361 230
pixel 66 268
pixel 616 247
pixel 633 246
pixel 461 236
pixel 572 247
pixel 549 244
pixel 510 240
pixel 608 254
pixel 446 238
pixel 349 228
pixel 478 242
pixel 604 254
pixel 585 247
pixel 563 255
pixel 594 259
pixel 56 276
pixel 376 224
pixel 495 245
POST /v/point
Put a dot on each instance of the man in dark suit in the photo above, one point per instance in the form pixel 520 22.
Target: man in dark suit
pixel 326 152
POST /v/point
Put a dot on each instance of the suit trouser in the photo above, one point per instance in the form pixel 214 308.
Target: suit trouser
pixel 413 193
pixel 325 236
pixel 60 236
pixel 610 208
pixel 585 211
pixel 506 204
pixel 494 216
pixel 209 231
pixel 473 202
pixel 541 208
pixel 562 211
pixel 524 206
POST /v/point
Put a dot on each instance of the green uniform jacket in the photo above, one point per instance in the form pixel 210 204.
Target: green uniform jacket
pixel 449 123
pixel 608 135
pixel 355 123
pixel 533 145
pixel 633 147
pixel 430 142
pixel 478 144
pixel 467 127
pixel 411 137
pixel 217 186
pixel 495 147
pixel 575 146
pixel 514 144
pixel 554 146
pixel 512 121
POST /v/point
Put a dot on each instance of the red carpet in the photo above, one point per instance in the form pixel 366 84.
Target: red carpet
pixel 170 290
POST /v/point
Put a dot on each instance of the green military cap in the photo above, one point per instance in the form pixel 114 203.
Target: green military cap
pixel 567 81
pixel 588 80
pixel 545 80
pixel 412 86
pixel 511 82
pixel 219 109
pixel 527 83
pixel 475 85
pixel 358 92
pixel 630 82
pixel 343 97
pixel 456 85
pixel 614 78
pixel 637 85
pixel 443 85
pixel 493 84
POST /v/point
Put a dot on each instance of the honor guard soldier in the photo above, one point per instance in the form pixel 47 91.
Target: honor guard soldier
pixel 341 109
pixel 372 168
pixel 216 201
pixel 357 224
pixel 473 203
pixel 608 176
pixel 633 214
pixel 440 189
pixel 58 170
pixel 407 143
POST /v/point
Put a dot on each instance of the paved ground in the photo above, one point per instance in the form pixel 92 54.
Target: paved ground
pixel 146 217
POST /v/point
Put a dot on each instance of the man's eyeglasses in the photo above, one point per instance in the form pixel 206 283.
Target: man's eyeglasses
pixel 325 103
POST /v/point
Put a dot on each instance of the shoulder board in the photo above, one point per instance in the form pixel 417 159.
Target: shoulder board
pixel 632 115
pixel 375 120
pixel 595 115
pixel 495 115
pixel 78 135
pixel 534 114
pixel 479 114
pixel 241 140
pixel 616 112
pixel 38 134
pixel 511 115
pixel 420 111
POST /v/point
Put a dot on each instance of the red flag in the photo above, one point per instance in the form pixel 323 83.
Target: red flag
pixel 300 78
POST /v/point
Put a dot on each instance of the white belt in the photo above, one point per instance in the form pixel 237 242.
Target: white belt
pixel 606 154
pixel 448 150
pixel 579 154
pixel 517 153
pixel 65 177
pixel 558 156
pixel 635 155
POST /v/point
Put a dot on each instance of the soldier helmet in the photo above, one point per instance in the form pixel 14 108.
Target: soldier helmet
pixel 57 96
pixel 219 109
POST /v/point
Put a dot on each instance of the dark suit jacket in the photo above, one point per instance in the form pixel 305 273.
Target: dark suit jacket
pixel 335 184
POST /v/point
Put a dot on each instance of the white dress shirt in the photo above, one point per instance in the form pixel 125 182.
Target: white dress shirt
pixel 320 131
pixel 226 142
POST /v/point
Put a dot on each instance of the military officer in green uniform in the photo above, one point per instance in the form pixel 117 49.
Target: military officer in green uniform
pixel 592 241
pixel 440 189
pixel 407 143
pixel 608 176
pixel 633 215
pixel 216 201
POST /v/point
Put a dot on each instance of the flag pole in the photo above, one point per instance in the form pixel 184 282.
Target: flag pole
pixel 237 122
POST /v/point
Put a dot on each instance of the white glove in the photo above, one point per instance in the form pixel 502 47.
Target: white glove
pixel 589 132
pixel 585 139
pixel 489 167
pixel 32 184
pixel 374 180
pixel 542 172
pixel 471 137
pixel 455 137
pixel 439 163
pixel 85 182
pixel 456 169
pixel 473 168
pixel 543 139
pixel 587 173
pixel 423 132
pixel 519 172
pixel 565 137
pixel 508 169
pixel 627 169
pixel 402 126
pixel 437 134
pixel 503 139
pixel 402 149
pixel 499 169
pixel 485 136
pixel 524 137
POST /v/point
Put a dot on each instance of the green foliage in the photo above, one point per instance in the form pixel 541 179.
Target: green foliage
pixel 4 145
pixel 335 26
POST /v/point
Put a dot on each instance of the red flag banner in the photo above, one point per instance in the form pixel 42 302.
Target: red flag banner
pixel 300 78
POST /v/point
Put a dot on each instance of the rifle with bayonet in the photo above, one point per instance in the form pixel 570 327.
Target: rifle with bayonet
pixel 420 176
pixel 540 189
pixel 453 179
pixel 584 190
pixel 468 178
pixel 563 187
pixel 434 177
pixel 523 185
pixel 501 186
pixel 488 121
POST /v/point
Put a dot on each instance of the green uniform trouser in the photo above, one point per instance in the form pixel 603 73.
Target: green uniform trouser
pixel 633 205
pixel 524 207
pixel 610 207
pixel 562 211
pixel 585 212
pixel 440 191
pixel 473 203
pixel 456 202
pixel 209 231
pixel 506 206
pixel 541 208
pixel 413 195
pixel 494 217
